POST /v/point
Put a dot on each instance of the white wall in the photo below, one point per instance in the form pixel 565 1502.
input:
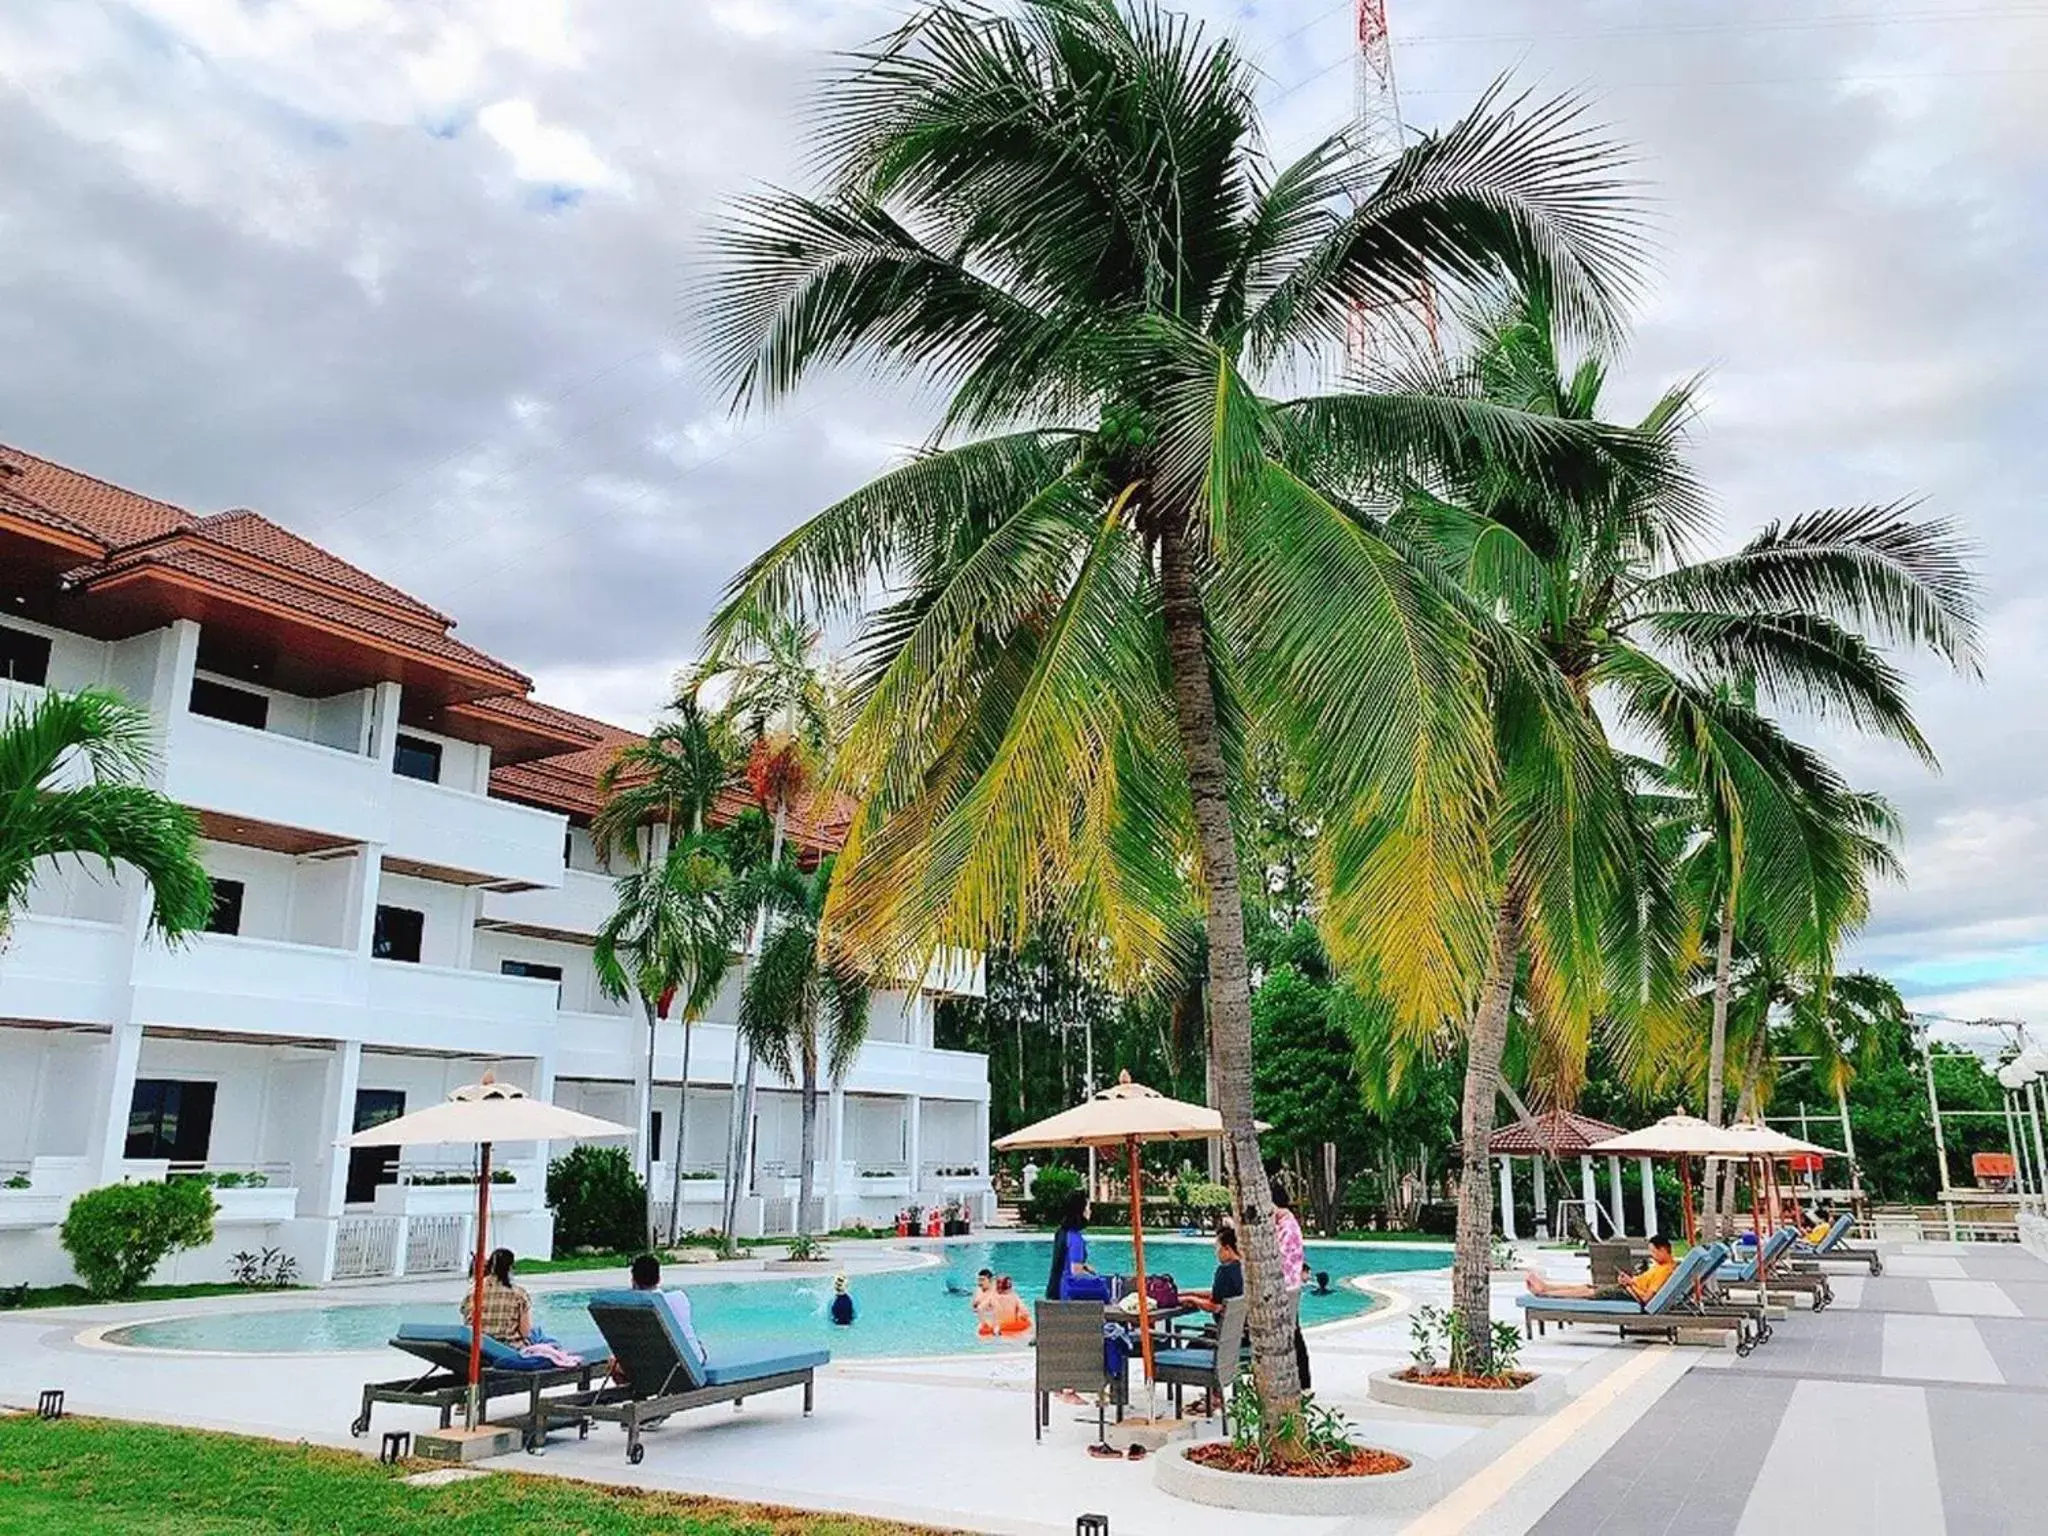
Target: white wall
pixel 78 888
pixel 580 991
pixel 320 901
pixel 465 765
pixel 875 1129
pixel 449 913
pixel 51 1080
pixel 342 721
pixel 583 853
pixel 890 1015
pixel 299 900
pixel 426 1080
pixel 951 1133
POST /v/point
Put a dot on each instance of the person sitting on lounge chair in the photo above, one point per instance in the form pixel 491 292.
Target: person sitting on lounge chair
pixel 1817 1234
pixel 507 1309
pixel 1636 1288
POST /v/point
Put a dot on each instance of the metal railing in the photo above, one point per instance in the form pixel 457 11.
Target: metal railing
pixel 366 1247
pixel 435 1245
pixel 239 1175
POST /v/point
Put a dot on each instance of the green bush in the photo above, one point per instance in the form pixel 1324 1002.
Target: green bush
pixel 598 1200
pixel 118 1235
pixel 1049 1192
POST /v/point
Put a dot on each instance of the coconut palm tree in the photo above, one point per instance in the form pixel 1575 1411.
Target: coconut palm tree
pixel 777 696
pixel 670 778
pixel 803 1007
pixel 1602 617
pixel 1124 545
pixel 73 783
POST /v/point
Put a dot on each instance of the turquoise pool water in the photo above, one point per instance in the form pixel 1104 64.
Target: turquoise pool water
pixel 908 1312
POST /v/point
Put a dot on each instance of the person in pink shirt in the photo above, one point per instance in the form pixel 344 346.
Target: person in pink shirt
pixel 1293 1269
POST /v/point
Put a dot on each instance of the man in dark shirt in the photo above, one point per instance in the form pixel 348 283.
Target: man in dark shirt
pixel 1229 1281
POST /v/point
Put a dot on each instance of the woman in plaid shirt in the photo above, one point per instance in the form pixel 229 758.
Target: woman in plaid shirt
pixel 508 1310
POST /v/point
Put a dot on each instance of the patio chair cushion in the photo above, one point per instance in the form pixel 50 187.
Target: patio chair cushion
pixel 1185 1359
pixel 433 1341
pixel 724 1371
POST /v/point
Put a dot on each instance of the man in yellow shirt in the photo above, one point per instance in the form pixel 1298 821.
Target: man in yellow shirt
pixel 1640 1288
pixel 1817 1234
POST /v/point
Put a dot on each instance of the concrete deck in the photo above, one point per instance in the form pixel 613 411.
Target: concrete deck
pixel 1896 1410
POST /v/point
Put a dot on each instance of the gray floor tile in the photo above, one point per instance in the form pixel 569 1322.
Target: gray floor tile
pixel 1868 1446
pixel 2002 1263
pixel 2030 1296
pixel 1983 1441
pixel 2020 1348
pixel 1893 1293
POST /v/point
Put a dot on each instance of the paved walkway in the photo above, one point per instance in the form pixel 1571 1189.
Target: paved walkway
pixel 1914 1405
pixel 1917 1404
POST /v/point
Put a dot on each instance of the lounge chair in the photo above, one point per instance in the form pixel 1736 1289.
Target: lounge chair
pixel 1672 1311
pixel 1070 1357
pixel 664 1374
pixel 445 1385
pixel 1780 1276
pixel 1835 1248
pixel 1196 1364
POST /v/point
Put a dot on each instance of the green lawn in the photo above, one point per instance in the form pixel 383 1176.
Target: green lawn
pixel 79 1296
pixel 94 1477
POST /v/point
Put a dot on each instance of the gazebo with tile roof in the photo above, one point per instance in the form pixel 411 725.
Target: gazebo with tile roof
pixel 1558 1134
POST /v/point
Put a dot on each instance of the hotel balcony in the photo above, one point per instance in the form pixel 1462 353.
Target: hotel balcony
pixel 65 970
pixel 575 909
pixel 471 839
pixel 267 777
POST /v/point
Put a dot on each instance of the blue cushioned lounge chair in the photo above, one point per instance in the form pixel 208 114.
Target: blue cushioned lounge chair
pixel 1672 1311
pixel 664 1373
pixel 1836 1248
pixel 1782 1275
pixel 445 1384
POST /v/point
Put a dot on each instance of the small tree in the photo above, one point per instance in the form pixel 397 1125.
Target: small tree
pixel 597 1198
pixel 119 1234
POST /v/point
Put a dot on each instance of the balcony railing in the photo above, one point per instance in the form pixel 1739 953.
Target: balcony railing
pixel 473 834
pixel 265 776
pixel 64 970
pixel 578 906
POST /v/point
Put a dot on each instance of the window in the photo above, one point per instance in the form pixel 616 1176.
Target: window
pixel 24 657
pixel 654 1135
pixel 169 1118
pixel 238 706
pixel 397 935
pixel 370 1166
pixel 417 759
pixel 227 907
pixel 531 968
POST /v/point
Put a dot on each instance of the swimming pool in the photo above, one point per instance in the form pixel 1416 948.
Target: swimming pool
pixel 905 1312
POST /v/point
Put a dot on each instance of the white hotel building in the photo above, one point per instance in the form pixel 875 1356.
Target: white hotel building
pixel 406 896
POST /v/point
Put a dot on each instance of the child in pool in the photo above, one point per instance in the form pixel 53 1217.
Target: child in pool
pixel 1007 1317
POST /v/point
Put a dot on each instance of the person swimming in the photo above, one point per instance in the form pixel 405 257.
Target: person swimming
pixel 842 1302
pixel 984 1302
pixel 1007 1317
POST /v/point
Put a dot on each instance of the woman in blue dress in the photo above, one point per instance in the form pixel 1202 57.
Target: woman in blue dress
pixel 1069 1249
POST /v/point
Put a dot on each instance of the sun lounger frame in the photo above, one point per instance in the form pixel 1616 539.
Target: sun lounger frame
pixel 445 1384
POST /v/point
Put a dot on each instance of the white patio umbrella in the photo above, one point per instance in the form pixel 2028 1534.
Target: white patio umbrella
pixel 1124 1114
pixel 1682 1137
pixel 478 1115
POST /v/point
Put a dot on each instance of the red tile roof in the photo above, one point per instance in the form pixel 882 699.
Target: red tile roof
pixel 254 534
pixel 112 515
pixel 1555 1132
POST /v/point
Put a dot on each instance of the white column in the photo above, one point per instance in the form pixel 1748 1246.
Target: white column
pixel 984 1205
pixel 116 1096
pixel 914 1145
pixel 1507 1198
pixel 324 1192
pixel 1542 1200
pixel 1651 1226
pixel 1589 1193
pixel 1620 1205
pixel 362 897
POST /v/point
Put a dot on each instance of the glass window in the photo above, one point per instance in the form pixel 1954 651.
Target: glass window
pixel 24 657
pixel 654 1133
pixel 170 1118
pixel 227 907
pixel 217 701
pixel 417 759
pixel 397 935
pixel 531 968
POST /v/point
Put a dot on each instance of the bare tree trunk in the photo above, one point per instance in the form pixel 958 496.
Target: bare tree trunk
pixel 742 1112
pixel 1717 1058
pixel 1230 998
pixel 643 1106
pixel 1471 1292
pixel 808 1142
pixel 675 1172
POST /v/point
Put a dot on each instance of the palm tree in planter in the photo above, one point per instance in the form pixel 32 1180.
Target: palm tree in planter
pixel 1120 554
pixel 1604 617
pixel 671 935
pixel 779 698
pixel 804 1008
pixel 656 794
pixel 73 771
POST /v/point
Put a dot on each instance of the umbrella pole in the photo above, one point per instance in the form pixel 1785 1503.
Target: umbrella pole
pixel 476 1284
pixel 1756 1222
pixel 1138 1253
pixel 1685 1197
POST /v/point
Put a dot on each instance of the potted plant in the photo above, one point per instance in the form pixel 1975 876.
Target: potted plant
pixel 1447 1386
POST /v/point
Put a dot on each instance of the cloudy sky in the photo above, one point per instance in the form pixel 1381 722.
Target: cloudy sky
pixel 407 276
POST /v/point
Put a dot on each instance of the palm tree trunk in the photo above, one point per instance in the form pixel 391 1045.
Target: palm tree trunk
pixel 1717 1056
pixel 1471 1292
pixel 808 1142
pixel 1230 998
pixel 675 1175
pixel 742 1110
pixel 643 1104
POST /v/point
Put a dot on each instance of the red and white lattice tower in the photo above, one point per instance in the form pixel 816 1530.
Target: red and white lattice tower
pixel 1378 137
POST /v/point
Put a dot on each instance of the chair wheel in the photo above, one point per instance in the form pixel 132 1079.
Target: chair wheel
pixel 583 1430
pixel 359 1427
pixel 636 1454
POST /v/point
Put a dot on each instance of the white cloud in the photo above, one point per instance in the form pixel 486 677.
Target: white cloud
pixel 544 152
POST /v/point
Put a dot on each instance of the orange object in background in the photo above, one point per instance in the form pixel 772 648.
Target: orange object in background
pixel 1993 1167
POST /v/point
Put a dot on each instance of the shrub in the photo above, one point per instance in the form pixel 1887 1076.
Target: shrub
pixel 598 1200
pixel 119 1234
pixel 1049 1192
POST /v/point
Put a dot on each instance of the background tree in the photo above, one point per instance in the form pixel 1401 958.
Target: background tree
pixel 802 1008
pixel 73 784
pixel 1064 216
